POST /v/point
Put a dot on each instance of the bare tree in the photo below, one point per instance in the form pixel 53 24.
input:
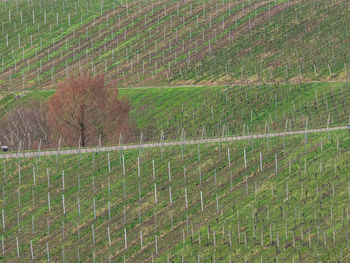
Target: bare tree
pixel 25 127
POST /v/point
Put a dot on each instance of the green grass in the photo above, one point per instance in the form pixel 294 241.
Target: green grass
pixel 193 112
pixel 191 108
pixel 211 158
pixel 204 42
pixel 305 42
pixel 21 99
pixel 224 112
pixel 139 43
pixel 309 191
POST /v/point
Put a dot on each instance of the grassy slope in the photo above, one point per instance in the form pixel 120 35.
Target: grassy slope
pixel 224 112
pixel 143 43
pixel 237 110
pixel 9 101
pixel 308 41
pixel 310 191
pixel 311 223
pixel 304 174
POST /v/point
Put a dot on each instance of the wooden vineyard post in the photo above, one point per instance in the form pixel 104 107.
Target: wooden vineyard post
pixel 183 239
pixel 124 178
pixel 268 136
pixel 48 201
pixel 201 201
pixel 17 246
pixel 284 135
pixel 214 239
pixel 156 243
pixel 109 237
pixel 58 150
pixel 94 206
pixel 63 205
pixel 78 207
pixel 306 135
pixel 48 178
pixel 19 198
pixel 63 180
pixel 228 157
pixel 109 164
pixel 47 251
pixel 31 250
pixel 161 144
pixel 141 240
pixel 125 239
pixel 93 233
pixel 34 179
pixel 276 165
pixel 155 193
pixel 139 176
pixel 109 210
pixel 19 171
pixel 328 126
pixel 170 194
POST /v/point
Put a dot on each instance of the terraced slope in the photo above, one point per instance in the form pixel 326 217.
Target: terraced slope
pixel 147 42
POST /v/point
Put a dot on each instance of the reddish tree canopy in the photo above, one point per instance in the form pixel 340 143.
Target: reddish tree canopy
pixel 84 108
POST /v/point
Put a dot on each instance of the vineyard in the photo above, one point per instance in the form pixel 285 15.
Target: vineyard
pixel 203 112
pixel 227 137
pixel 253 199
pixel 161 42
pixel 194 202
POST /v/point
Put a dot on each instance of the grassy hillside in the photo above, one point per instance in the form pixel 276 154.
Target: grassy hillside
pixel 153 42
pixel 196 112
pixel 255 67
pixel 225 111
pixel 298 209
pixel 252 210
pixel 306 41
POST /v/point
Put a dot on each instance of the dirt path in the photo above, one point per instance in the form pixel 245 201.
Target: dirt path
pixel 193 86
pixel 167 143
